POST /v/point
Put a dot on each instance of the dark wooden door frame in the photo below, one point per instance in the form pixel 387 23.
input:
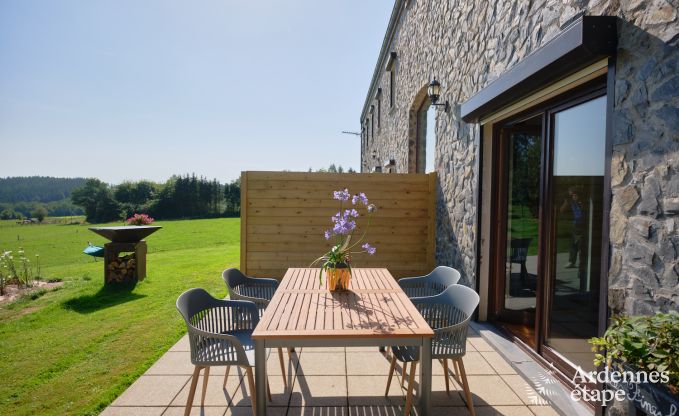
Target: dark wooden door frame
pixel 500 177
pixel 590 90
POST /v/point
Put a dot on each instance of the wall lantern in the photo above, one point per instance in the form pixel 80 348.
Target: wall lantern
pixel 434 92
pixel 374 153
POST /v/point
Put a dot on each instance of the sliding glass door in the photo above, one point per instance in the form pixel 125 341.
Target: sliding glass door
pixel 576 208
pixel 549 197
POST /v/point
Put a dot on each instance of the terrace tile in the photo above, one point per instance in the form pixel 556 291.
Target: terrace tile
pixel 368 363
pixel 319 391
pixel 332 382
pixel 133 411
pixel 369 390
pixel 216 395
pixel 322 364
pixel 152 391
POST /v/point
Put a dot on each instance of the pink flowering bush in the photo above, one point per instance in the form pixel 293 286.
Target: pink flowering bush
pixel 140 219
pixel 342 232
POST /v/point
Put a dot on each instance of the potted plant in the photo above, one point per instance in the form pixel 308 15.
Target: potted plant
pixel 645 351
pixel 140 219
pixel 336 263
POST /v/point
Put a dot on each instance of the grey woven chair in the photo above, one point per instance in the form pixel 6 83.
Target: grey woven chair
pixel 257 290
pixel 448 314
pixel 430 285
pixel 220 333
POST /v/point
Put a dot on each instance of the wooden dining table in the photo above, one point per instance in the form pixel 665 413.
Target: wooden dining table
pixel 373 312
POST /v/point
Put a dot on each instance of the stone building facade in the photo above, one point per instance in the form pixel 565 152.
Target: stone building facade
pixel 466 45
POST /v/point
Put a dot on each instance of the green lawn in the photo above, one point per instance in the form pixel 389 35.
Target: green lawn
pixel 72 351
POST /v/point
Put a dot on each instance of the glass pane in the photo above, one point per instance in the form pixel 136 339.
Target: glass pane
pixel 523 200
pixel 577 209
pixel 430 141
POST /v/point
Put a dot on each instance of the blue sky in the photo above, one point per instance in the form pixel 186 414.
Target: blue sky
pixel 144 89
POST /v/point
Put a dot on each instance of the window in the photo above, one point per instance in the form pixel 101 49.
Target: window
pixel 430 141
pixel 392 87
pixel 372 127
pixel 379 107
pixel 391 68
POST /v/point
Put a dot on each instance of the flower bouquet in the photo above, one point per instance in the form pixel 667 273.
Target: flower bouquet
pixel 337 262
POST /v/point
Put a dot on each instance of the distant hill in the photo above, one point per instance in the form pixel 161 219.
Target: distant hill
pixel 37 188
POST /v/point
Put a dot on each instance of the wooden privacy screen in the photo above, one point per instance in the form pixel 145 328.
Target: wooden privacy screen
pixel 284 215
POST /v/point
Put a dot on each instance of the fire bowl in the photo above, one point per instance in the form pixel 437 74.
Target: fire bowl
pixel 129 234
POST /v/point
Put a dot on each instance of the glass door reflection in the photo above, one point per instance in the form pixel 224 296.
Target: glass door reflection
pixel 577 180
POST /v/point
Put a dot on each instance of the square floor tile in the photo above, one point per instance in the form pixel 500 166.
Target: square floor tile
pixel 216 395
pixel 322 364
pixel 474 364
pixel 318 411
pixel 152 391
pixel 491 390
pixel 319 391
pixel 247 411
pixel 280 395
pixel 273 364
pixel 378 410
pixel 543 411
pixel 480 344
pixel 498 363
pixel 525 390
pixel 502 411
pixel 196 411
pixel 367 363
pixel 182 344
pixel 369 390
pixel 133 411
pixel 172 363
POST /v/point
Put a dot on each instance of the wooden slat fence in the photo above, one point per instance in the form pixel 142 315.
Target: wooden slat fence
pixel 284 214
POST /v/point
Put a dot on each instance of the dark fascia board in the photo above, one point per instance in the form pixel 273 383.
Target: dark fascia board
pixel 587 40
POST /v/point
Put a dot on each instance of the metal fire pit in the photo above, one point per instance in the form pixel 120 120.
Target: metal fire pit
pixel 129 267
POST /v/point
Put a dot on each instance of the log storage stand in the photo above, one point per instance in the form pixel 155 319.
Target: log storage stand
pixel 125 255
pixel 120 267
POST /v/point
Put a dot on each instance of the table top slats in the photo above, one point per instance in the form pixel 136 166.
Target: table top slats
pixel 374 305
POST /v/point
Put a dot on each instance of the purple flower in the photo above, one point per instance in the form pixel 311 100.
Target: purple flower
pixel 351 213
pixel 341 195
pixel 344 226
pixel 361 197
pixel 369 249
pixel 327 234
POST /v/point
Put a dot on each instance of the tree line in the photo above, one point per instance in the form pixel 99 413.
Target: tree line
pixel 37 196
pixel 186 196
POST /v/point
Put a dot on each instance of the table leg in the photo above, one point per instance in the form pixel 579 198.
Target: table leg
pixel 260 377
pixel 425 377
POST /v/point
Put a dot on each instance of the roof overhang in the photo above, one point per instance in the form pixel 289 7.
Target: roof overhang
pixel 588 39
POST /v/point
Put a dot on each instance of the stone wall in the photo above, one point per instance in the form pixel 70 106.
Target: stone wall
pixel 466 44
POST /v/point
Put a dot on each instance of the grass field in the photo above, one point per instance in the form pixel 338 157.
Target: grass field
pixel 73 350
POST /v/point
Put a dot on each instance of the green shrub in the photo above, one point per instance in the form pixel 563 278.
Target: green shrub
pixel 647 343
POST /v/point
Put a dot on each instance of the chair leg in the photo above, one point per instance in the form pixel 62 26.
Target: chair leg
pixel 465 386
pixel 206 377
pixel 226 375
pixel 251 386
pixel 455 369
pixel 268 390
pixel 391 374
pixel 280 358
pixel 192 390
pixel 411 384
pixel 445 373
pixel 403 374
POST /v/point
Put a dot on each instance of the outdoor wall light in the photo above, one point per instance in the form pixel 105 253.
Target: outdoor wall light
pixel 374 153
pixel 434 92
